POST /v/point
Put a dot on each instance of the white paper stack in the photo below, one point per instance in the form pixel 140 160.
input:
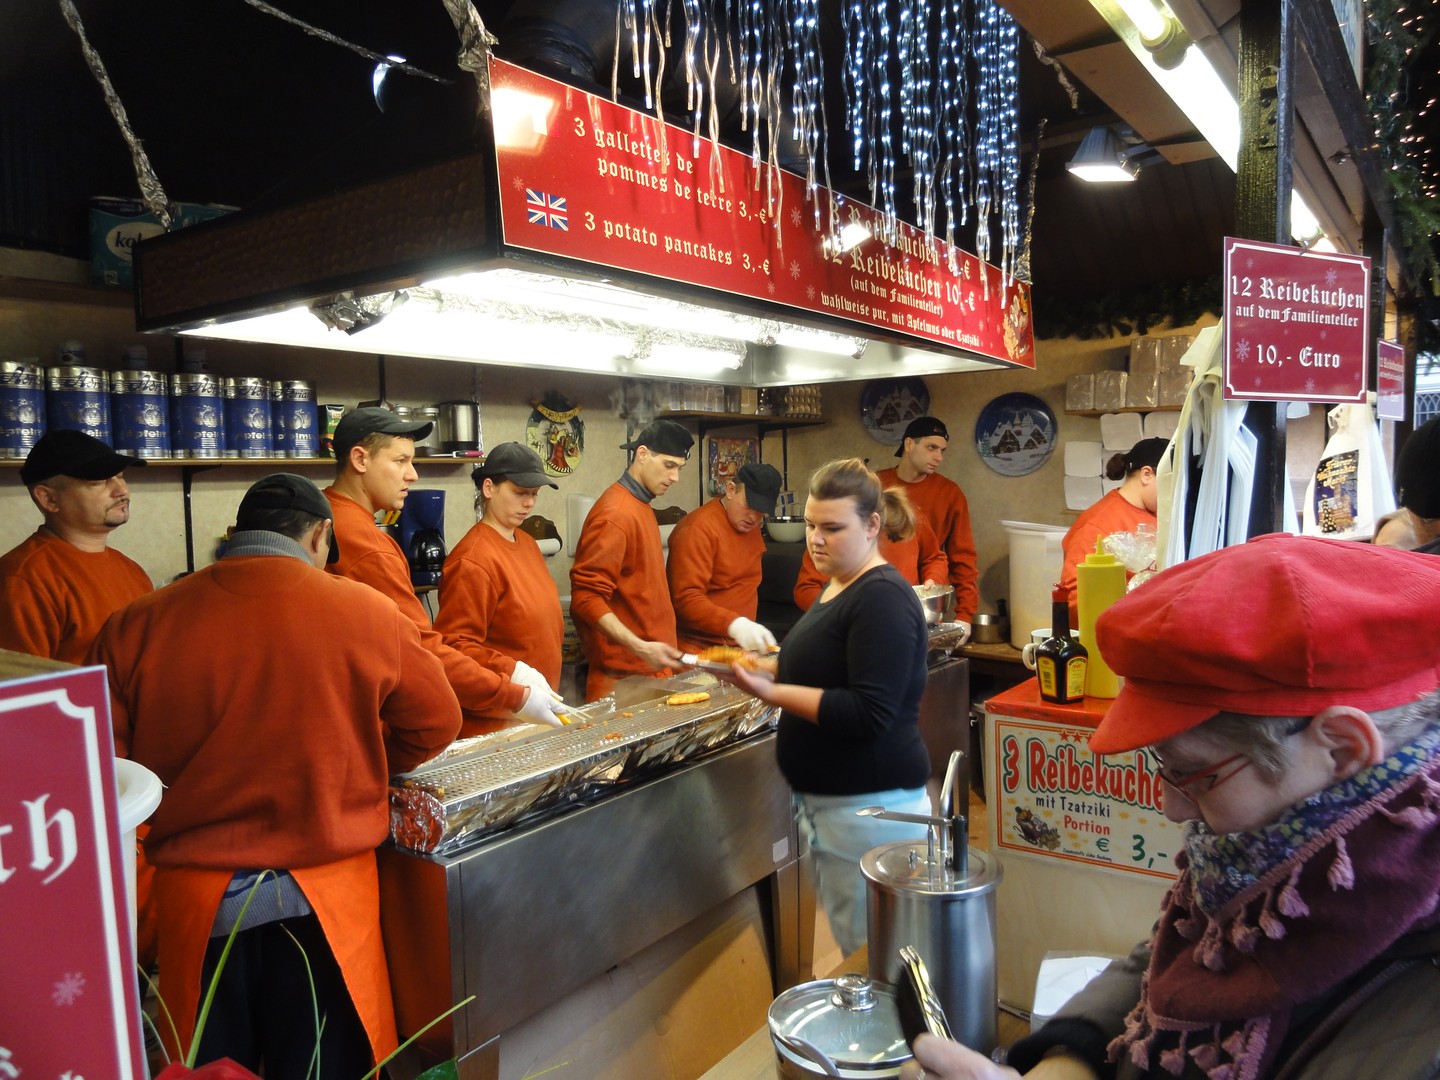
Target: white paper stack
pixel 1080 392
pixel 1082 492
pixel 1161 425
pixel 1083 459
pixel 1110 389
pixel 1121 431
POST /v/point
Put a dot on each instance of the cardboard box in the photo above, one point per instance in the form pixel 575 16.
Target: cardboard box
pixel 117 225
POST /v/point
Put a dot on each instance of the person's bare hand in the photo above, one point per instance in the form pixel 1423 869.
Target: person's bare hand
pixel 943 1059
pixel 658 654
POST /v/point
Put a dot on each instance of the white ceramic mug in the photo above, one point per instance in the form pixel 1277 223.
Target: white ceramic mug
pixel 1037 638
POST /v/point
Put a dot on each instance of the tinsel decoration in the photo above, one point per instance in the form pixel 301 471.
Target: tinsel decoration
pixel 919 76
pixel 1022 260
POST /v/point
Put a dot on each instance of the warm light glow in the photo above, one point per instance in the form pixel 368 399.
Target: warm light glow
pixel 1145 16
pixel 522 120
pixel 1102 158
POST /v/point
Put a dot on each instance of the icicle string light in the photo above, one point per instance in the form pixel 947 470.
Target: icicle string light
pixel 929 87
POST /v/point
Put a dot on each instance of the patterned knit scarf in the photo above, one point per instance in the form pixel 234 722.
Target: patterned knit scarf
pixel 1263 921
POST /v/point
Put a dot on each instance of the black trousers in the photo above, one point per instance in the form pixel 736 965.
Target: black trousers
pixel 264 1014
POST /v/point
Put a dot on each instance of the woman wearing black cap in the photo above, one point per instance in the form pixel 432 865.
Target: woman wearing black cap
pixel 1131 504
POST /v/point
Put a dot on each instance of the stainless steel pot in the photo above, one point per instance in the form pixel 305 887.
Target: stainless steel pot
pixel 990 629
pixel 459 426
pixel 847 1027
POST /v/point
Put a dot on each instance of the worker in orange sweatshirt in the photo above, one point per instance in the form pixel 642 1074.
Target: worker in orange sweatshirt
pixel 619 600
pixel 714 566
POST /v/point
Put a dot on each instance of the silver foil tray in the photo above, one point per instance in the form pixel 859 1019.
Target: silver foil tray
pixel 482 785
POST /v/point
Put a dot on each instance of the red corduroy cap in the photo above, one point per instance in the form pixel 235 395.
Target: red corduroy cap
pixel 1280 626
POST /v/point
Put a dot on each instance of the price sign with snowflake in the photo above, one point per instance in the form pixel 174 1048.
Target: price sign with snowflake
pixel 1297 323
pixel 69 995
pixel 585 178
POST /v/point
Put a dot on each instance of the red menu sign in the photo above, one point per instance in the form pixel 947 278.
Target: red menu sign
pixel 585 178
pixel 1297 323
pixel 68 999
pixel 1389 380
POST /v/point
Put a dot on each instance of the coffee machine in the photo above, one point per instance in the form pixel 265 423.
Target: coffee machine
pixel 422 535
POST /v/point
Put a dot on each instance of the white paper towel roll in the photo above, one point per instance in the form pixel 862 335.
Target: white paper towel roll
pixel 577 507
pixel 549 547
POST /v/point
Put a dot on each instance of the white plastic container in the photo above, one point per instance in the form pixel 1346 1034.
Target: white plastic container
pixel 139 790
pixel 1035 562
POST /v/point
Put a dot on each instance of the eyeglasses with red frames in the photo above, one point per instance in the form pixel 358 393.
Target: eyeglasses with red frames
pixel 1208 777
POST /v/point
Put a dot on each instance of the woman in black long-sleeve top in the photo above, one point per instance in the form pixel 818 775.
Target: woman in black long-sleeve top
pixel 849 683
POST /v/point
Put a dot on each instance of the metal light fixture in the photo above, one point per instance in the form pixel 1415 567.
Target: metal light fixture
pixel 1103 158
pixel 1160 32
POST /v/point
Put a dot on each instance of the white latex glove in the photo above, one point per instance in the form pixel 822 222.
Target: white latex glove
pixel 964 631
pixel 749 634
pixel 526 675
pixel 539 708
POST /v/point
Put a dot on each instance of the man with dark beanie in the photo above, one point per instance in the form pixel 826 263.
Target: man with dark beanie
pixel 1416 525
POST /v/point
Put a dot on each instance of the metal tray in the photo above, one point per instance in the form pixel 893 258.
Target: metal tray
pixel 495 781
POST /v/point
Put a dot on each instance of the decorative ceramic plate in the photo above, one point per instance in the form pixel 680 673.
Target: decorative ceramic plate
pixel 1015 434
pixel 888 405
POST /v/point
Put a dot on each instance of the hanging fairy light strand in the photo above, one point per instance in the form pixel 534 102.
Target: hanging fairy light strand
pixel 918 77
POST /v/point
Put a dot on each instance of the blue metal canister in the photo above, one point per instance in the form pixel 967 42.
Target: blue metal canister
pixel 298 406
pixel 139 413
pixel 22 406
pixel 78 398
pixel 247 418
pixel 279 433
pixel 197 416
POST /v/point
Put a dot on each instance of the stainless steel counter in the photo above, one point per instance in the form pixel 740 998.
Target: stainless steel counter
pixel 525 918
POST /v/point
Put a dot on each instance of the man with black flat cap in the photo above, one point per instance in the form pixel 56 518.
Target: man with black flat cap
pixel 619 599
pixel 59 586
pixel 375 466
pixel 714 567
pixel 276 754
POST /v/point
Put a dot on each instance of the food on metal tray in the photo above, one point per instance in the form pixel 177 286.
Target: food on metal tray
pixel 731 654
pixel 693 697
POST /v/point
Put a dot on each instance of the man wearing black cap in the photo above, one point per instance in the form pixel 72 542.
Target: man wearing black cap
pixel 1416 525
pixel 58 587
pixel 276 757
pixel 940 503
pixel 375 466
pixel 619 599
pixel 714 566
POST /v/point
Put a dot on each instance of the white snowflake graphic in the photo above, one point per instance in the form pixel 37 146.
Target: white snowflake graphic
pixel 795 270
pixel 809 292
pixel 1242 349
pixel 795 216
pixel 1331 276
pixel 1309 386
pixel 517 184
pixel 770 286
pixel 69 990
pixel 1258 381
pixel 1324 334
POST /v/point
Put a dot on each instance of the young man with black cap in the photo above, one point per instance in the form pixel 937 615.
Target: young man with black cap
pixel 276 757
pixel 59 586
pixel 619 599
pixel 375 467
pixel 1415 526
pixel 940 503
pixel 1284 695
pixel 498 603
pixel 714 568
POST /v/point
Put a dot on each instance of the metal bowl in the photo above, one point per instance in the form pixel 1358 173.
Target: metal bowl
pixel 786 530
pixel 989 629
pixel 934 599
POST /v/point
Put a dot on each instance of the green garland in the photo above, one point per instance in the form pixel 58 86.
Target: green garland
pixel 1117 314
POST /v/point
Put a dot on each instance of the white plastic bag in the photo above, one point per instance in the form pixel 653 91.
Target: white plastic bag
pixel 1350 489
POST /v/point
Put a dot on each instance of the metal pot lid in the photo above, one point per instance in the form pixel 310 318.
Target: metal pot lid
pixel 853 1021
pixel 903 865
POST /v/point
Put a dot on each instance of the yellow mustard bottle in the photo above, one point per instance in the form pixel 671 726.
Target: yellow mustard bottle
pixel 1099 582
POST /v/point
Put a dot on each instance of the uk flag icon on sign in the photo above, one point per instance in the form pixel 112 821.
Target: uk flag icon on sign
pixel 546 209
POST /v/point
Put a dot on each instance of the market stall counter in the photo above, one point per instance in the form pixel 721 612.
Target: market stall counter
pixel 1066 822
pixel 536 864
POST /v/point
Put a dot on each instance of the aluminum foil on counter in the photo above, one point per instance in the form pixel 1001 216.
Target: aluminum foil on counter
pixel 481 785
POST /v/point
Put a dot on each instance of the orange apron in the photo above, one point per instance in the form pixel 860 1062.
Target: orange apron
pixel 345 896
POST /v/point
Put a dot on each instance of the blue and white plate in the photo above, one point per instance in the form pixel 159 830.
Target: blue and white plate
pixel 1015 434
pixel 888 405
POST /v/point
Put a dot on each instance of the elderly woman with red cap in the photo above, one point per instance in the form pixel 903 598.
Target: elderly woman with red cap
pixel 1292 709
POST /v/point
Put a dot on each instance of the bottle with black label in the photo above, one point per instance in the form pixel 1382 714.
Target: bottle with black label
pixel 1060 661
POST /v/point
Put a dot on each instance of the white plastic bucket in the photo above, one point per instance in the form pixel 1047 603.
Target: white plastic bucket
pixel 139 790
pixel 1036 559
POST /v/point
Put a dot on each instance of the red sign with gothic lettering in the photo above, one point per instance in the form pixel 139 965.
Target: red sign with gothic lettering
pixel 1389 380
pixel 68 999
pixel 1297 323
pixel 585 178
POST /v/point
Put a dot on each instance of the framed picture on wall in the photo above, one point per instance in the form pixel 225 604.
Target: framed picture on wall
pixel 728 457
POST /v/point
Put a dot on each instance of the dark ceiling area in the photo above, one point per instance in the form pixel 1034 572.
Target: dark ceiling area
pixel 237 106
